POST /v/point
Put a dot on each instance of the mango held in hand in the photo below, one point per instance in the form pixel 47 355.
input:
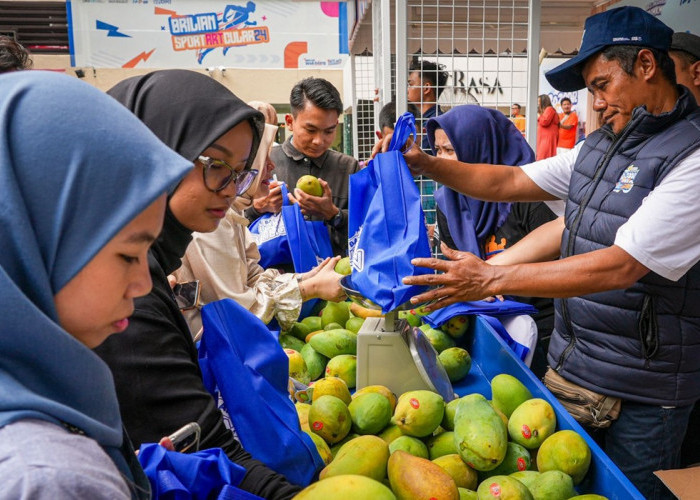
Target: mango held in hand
pixel 347 487
pixel 552 485
pixel 412 477
pixel 456 327
pixel 532 422
pixel 480 434
pixel 333 343
pixel 343 266
pixel 364 455
pixel 566 451
pixel 330 419
pixel 370 413
pixel 343 367
pixel 503 488
pixel 297 367
pixel 419 413
pixel 310 185
pixel 332 386
pixel 335 312
pixel 409 444
pixel 508 393
pixel 456 362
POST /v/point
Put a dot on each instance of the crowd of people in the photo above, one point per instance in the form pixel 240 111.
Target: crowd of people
pixel 616 279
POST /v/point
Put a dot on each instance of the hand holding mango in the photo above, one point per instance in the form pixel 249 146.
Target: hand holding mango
pixel 314 197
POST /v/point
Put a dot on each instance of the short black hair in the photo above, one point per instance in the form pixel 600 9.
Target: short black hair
pixel 626 55
pixel 684 56
pixel 564 99
pixel 434 73
pixel 13 56
pixel 387 116
pixel 516 105
pixel 319 92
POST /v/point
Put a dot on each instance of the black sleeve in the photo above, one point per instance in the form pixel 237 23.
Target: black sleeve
pixel 339 235
pixel 251 214
pixel 160 388
pixel 443 230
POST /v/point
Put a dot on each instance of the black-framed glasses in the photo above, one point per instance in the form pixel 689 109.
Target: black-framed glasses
pixel 218 174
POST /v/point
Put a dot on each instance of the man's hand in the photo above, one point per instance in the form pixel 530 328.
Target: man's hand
pixel 272 202
pixel 316 206
pixel 466 277
pixel 415 158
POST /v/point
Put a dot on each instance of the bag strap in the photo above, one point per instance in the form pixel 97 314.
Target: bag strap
pixel 405 128
pixel 285 192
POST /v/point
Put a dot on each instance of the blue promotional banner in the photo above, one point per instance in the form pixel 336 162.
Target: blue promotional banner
pixel 266 34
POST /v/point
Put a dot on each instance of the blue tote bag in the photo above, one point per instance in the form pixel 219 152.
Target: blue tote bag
pixel 386 225
pixel 288 238
pixel 207 474
pixel 244 364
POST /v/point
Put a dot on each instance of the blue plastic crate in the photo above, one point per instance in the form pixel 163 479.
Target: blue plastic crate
pixel 490 357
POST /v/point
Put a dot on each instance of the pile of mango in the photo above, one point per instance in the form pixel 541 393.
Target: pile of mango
pixel 326 345
pixel 417 447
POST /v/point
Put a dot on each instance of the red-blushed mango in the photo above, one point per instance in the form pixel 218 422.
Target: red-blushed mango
pixel 413 478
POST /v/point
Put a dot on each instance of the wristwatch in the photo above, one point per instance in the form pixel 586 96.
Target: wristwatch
pixel 336 220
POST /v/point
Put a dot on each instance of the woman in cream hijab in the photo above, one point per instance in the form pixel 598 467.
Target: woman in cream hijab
pixel 226 263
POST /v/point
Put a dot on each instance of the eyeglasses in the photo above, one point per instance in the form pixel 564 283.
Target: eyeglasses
pixel 218 174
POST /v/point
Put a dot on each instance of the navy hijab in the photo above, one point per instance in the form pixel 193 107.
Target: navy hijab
pixel 478 135
pixel 75 168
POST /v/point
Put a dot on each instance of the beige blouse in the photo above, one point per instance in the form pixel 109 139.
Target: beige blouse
pixel 225 262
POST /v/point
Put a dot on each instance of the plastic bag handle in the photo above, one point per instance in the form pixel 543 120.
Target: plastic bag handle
pixel 405 128
pixel 285 192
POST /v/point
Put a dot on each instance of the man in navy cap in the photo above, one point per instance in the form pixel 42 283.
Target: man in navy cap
pixel 628 282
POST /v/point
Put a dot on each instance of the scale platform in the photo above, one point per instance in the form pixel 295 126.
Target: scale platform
pixel 393 354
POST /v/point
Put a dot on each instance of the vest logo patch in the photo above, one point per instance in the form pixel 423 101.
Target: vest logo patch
pixel 626 181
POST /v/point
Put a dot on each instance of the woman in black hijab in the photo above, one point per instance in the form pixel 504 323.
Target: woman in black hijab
pixel 154 362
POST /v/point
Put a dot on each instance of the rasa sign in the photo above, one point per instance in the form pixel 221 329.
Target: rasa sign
pixel 196 34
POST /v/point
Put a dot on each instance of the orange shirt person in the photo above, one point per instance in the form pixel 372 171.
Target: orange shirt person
pixel 568 125
pixel 517 119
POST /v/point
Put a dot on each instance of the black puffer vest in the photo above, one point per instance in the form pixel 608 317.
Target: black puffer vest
pixel 642 343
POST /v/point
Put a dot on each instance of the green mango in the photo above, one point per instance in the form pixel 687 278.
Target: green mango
pixel 315 362
pixel 504 488
pixel 337 446
pixel 532 422
pixel 390 433
pixel 552 485
pixel 321 446
pixel 409 444
pixel 330 419
pixel 527 477
pixel 566 451
pixel 300 330
pixel 333 326
pixel 448 420
pixel 289 342
pixel 332 343
pixel 346 487
pixel 507 393
pixel 439 339
pixel 370 413
pixel 335 312
pixel 480 434
pixel 419 413
pixel 456 327
pixel 465 494
pixel 517 459
pixel 344 367
pixel 354 324
pixel 313 322
pixel 463 475
pixel 589 496
pixel 456 362
pixel 364 456
pixel 411 318
pixel 442 444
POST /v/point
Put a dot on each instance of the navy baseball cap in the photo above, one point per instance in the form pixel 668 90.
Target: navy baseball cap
pixel 621 26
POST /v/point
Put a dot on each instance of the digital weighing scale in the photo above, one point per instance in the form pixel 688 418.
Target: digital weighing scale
pixel 392 353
